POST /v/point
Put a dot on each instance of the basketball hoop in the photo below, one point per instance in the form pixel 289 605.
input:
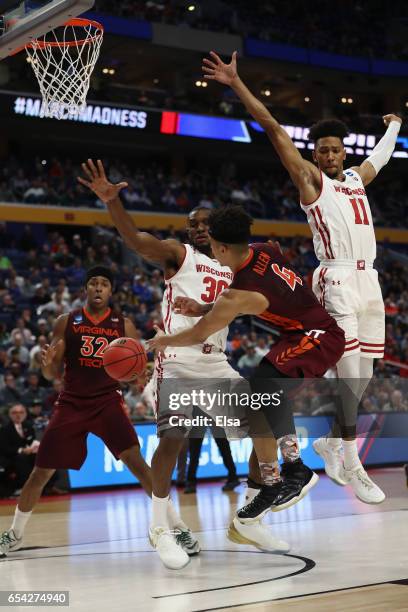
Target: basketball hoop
pixel 63 61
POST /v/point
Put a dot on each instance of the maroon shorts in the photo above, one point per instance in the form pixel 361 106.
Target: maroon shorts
pixel 64 443
pixel 308 356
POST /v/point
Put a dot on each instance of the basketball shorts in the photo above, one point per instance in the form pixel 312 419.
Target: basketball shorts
pixel 299 355
pixel 353 297
pixel 63 445
pixel 178 380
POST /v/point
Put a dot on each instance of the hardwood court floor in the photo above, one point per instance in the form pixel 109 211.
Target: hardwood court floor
pixel 346 556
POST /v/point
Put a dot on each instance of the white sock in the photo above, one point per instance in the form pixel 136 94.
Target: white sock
pixel 351 458
pixel 20 521
pixel 159 507
pixel 334 443
pixel 173 517
pixel 250 493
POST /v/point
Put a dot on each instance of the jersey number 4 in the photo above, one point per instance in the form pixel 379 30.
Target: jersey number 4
pixel 359 208
pixel 288 276
pixel 88 347
pixel 212 289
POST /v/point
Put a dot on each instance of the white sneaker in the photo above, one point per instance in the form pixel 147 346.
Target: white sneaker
pixel 333 460
pixel 364 488
pixel 171 554
pixel 256 534
pixel 9 542
pixel 188 542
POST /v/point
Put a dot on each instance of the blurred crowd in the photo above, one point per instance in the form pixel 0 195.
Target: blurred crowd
pixel 266 193
pixel 369 28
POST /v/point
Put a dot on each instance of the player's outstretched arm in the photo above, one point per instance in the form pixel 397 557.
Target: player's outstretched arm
pixel 146 245
pixel 226 308
pixel 382 151
pixel 303 173
pixel 52 355
pixel 130 330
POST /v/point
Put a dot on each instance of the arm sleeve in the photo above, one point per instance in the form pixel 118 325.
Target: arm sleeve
pixel 384 148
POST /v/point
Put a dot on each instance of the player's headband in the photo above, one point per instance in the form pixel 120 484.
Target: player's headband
pixel 226 236
pixel 99 271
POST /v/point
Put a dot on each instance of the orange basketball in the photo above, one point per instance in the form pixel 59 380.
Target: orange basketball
pixel 124 359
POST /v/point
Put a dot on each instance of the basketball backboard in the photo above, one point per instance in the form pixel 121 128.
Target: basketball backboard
pixel 23 20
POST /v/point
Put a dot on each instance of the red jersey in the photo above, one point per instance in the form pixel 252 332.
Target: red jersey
pixel 292 305
pixel 86 339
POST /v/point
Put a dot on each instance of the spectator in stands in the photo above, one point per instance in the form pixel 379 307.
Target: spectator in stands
pixel 18 446
pixel 36 194
pixel 249 360
pixel 33 392
pixel 10 394
pixel 57 306
pixel 18 351
pixel 396 403
pixel 21 329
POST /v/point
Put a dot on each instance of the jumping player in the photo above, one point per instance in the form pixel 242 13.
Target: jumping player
pixel 311 342
pixel 345 282
pixel 190 270
pixel 91 401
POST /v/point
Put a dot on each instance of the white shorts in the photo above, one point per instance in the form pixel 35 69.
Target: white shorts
pixel 184 373
pixel 353 297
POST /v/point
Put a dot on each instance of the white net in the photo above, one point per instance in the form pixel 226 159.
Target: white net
pixel 63 61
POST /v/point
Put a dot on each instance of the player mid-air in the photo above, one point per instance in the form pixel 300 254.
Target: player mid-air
pixel 338 212
pixel 311 342
pixel 190 270
pixel 91 401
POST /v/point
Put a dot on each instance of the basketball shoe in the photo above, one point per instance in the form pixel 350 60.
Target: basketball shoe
pixel 187 541
pixel 256 534
pixel 297 480
pixel 256 509
pixel 333 460
pixel 171 554
pixel 9 542
pixel 364 488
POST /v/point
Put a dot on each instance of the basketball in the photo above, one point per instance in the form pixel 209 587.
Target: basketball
pixel 124 359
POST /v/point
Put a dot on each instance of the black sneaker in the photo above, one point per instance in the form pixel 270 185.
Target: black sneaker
pixel 191 487
pixel 260 505
pixel 297 480
pixel 231 484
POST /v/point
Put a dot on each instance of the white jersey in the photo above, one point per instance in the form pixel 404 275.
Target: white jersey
pixel 201 279
pixel 340 220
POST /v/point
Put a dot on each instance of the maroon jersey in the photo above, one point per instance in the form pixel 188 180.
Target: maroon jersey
pixel 292 305
pixel 294 310
pixel 86 339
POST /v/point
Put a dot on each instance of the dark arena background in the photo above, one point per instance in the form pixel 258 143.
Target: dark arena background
pixel 181 141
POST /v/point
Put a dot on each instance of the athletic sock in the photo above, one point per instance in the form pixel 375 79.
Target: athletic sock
pixel 351 458
pixel 174 519
pixel 334 443
pixel 289 448
pixel 159 515
pixel 270 473
pixel 20 521
pixel 252 490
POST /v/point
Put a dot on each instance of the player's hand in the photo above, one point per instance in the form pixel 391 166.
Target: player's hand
pixel 158 343
pixel 187 307
pixel 388 118
pixel 48 353
pixel 98 182
pixel 214 69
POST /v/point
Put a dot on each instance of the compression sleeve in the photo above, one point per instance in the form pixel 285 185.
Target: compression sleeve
pixel 384 148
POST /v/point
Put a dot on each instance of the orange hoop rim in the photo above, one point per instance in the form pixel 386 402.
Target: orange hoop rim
pixel 75 22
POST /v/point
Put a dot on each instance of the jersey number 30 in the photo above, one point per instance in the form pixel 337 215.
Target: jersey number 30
pixel 212 289
pixel 287 275
pixel 88 347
